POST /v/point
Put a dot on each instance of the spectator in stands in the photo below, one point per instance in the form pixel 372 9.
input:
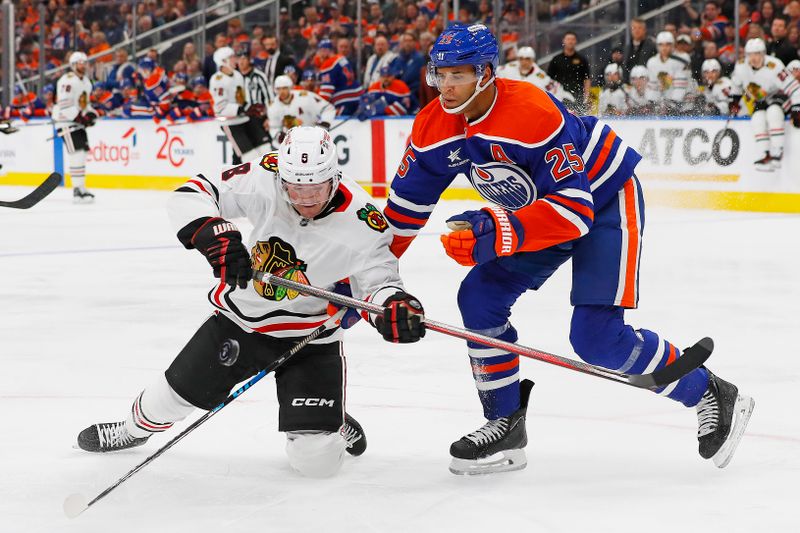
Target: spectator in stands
pixel 793 12
pixel 714 22
pixel 767 12
pixel 388 96
pixel 277 61
pixel 561 9
pixel 779 45
pixel 410 61
pixel 121 69
pixel 391 9
pixel 295 41
pixel 640 48
pixel 794 36
pixel 381 57
pixel 189 53
pixel 570 69
pixel 209 67
pixel 344 47
pixel 685 16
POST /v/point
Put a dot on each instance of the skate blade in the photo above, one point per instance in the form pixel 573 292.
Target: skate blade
pixel 741 416
pixel 505 461
pixel 764 168
pixel 76 200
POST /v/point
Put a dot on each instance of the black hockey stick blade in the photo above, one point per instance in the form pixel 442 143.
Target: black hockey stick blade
pixel 36 195
pixel 691 359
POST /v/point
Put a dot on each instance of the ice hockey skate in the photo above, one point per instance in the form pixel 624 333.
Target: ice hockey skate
pixel 354 435
pixel 722 417
pixel 80 195
pixel 497 446
pixel 108 437
pixel 765 164
pixel 775 160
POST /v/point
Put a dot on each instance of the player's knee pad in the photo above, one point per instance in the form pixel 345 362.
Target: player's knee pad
pixel 599 335
pixel 774 117
pixel 315 454
pixel 156 409
pixel 486 295
pixel 759 122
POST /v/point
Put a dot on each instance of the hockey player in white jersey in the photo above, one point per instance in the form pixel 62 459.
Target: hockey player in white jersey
pixel 642 100
pixel 613 99
pixel 242 120
pixel 526 69
pixel 764 79
pixel 668 74
pixel 312 225
pixel 292 107
pixel 717 89
pixel 73 114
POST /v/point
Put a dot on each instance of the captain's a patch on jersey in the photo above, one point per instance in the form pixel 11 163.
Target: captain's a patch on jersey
pixel 373 218
pixel 270 162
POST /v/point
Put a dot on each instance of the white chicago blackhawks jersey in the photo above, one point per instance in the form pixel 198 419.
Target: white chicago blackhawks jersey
pixel 228 93
pixel 350 239
pixel 771 83
pixel 612 102
pixel 536 76
pixel 304 109
pixel 719 95
pixel 641 100
pixel 72 97
pixel 670 78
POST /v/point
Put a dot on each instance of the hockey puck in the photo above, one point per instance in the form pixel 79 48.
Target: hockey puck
pixel 229 352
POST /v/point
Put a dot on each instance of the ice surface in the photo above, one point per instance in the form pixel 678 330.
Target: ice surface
pixel 97 300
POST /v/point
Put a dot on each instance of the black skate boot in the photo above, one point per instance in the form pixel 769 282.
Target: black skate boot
pixel 722 416
pixel 764 164
pixel 498 446
pixel 354 435
pixel 82 196
pixel 108 437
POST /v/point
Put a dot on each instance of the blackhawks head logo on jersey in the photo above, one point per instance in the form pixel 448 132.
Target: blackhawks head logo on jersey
pixel 279 259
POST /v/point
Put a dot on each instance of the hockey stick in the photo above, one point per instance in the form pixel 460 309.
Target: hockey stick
pixel 690 360
pixel 77 503
pixel 36 195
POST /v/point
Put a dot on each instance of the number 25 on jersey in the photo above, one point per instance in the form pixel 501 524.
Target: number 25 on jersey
pixel 563 161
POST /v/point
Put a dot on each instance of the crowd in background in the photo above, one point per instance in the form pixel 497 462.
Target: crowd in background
pixel 396 38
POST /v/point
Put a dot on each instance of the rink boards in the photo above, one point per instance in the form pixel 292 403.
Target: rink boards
pixel 687 162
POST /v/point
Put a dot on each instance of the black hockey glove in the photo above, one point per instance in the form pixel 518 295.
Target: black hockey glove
pixel 402 320
pixel 86 120
pixel 221 243
pixel 734 106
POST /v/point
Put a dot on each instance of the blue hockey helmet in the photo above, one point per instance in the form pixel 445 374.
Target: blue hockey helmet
pixel 146 63
pixel 126 83
pixel 199 80
pixel 459 45
pixel 181 78
pixel 309 74
pixel 49 88
pixel 465 44
pixel 99 86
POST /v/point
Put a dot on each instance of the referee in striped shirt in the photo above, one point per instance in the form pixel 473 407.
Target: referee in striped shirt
pixel 255 83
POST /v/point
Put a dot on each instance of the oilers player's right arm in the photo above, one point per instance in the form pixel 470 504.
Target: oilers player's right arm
pixel 433 158
pixel 234 193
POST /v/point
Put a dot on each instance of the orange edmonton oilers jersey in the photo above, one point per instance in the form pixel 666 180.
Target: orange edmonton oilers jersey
pixel 527 154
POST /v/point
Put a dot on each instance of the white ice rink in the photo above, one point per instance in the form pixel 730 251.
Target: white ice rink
pixel 97 300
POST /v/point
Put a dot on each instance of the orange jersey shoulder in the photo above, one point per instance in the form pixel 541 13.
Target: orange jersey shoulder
pixel 432 126
pixel 522 112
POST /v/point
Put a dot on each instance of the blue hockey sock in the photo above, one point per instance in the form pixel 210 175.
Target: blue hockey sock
pixel 496 374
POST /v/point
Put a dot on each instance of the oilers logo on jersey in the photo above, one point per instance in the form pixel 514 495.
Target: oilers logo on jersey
pixel 279 258
pixel 503 184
